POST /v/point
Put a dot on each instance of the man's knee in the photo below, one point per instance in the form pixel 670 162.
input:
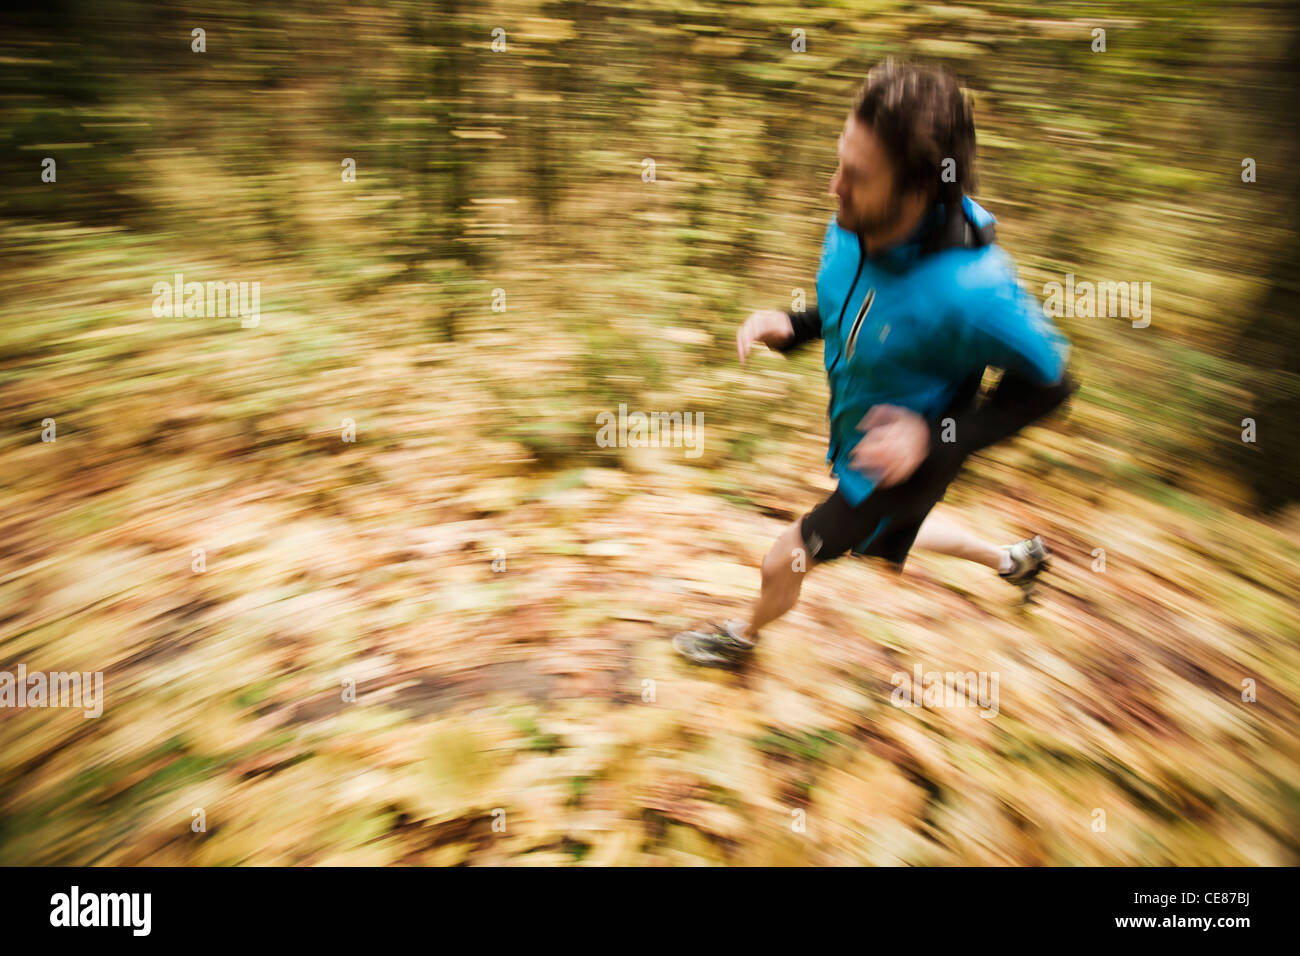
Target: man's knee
pixel 788 560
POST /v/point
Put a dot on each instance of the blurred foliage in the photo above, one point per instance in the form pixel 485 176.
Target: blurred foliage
pixel 521 170
pixel 523 692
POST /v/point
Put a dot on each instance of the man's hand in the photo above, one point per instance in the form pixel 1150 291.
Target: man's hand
pixel 767 326
pixel 897 442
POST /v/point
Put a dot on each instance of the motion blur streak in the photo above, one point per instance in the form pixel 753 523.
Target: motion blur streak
pixel 365 587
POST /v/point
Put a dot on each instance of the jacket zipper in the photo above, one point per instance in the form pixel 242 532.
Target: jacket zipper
pixel 839 325
pixel 862 258
pixel 857 323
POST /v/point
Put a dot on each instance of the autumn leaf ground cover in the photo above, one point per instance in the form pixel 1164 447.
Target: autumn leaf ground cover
pixel 502 600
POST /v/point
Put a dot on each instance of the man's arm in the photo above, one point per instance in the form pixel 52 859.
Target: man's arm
pixel 807 326
pixel 1015 403
pixel 1013 334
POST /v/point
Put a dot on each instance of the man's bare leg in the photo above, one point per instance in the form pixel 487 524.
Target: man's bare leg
pixel 787 562
pixel 783 570
pixel 731 643
pixel 942 535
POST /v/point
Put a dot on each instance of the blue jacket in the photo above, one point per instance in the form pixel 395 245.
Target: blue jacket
pixel 915 328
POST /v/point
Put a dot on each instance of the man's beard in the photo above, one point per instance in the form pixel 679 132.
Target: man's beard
pixel 883 221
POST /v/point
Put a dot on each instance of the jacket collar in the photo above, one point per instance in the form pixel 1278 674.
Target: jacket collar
pixel 903 254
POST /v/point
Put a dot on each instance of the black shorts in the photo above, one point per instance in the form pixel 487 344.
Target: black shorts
pixel 884 525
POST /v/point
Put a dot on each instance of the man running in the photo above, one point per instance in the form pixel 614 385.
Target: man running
pixel 914 301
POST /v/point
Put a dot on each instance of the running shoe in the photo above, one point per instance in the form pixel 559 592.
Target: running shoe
pixel 719 645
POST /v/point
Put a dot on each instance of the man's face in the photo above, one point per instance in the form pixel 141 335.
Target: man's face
pixel 864 182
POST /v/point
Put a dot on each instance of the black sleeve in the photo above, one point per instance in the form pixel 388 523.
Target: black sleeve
pixel 1015 403
pixel 807 326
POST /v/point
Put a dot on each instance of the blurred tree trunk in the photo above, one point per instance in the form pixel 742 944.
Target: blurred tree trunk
pixel 442 170
pixel 1270 342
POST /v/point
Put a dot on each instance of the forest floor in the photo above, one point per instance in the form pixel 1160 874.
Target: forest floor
pixel 505 623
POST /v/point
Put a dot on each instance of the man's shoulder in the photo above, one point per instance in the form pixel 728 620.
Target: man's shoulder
pixel 966 277
pixel 976 264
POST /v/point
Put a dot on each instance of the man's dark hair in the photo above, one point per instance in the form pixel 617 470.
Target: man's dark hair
pixel 922 118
